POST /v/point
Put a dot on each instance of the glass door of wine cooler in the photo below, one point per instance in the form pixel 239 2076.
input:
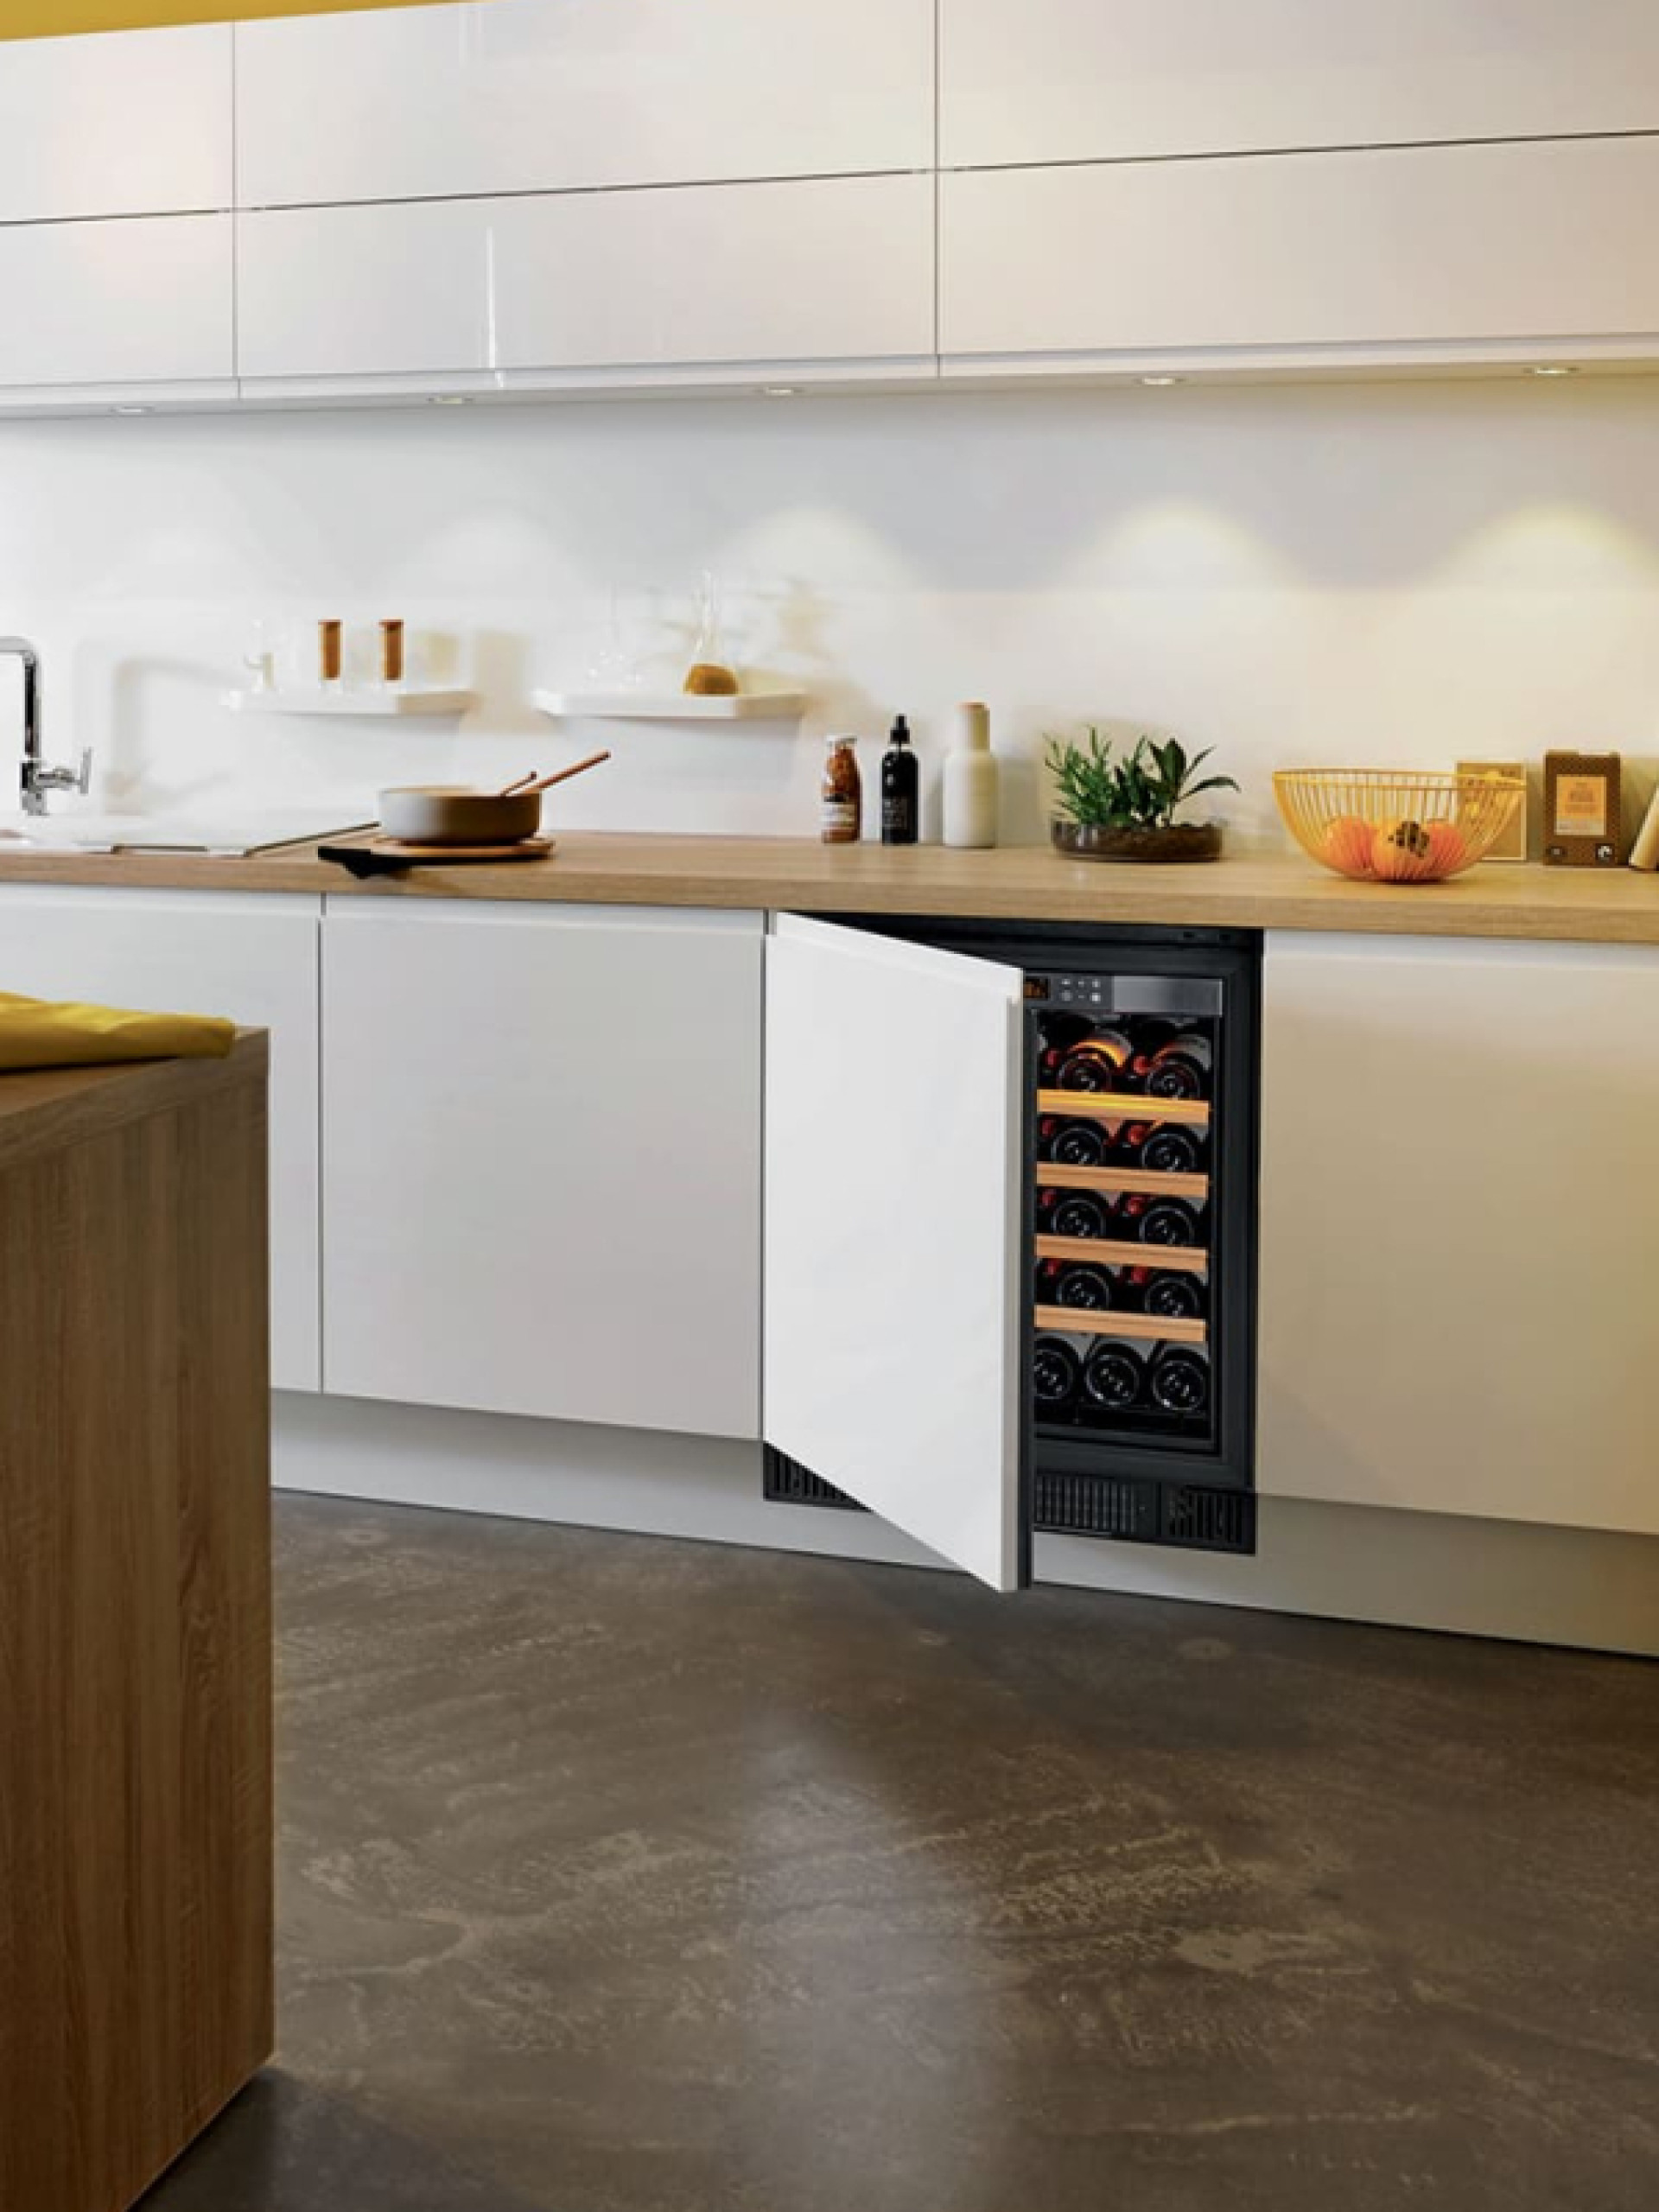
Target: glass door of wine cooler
pixel 1141 1322
pixel 1122 1222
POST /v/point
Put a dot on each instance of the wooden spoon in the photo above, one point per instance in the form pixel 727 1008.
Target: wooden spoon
pixel 546 783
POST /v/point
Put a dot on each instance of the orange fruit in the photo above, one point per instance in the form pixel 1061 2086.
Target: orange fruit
pixel 1400 852
pixel 1448 848
pixel 1346 845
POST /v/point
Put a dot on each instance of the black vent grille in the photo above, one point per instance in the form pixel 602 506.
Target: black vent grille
pixel 1096 1506
pixel 1209 1520
pixel 786 1482
pixel 1142 1511
pixel 1122 1507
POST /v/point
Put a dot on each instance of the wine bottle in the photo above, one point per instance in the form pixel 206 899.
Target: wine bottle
pixel 1180 1381
pixel 1100 1062
pixel 1085 1286
pixel 1073 1144
pixel 1080 1213
pixel 1161 1221
pixel 1113 1378
pixel 1181 1068
pixel 1172 1297
pixel 1056 1373
pixel 1171 1149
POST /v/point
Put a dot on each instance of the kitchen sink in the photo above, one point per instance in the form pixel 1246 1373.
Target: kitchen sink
pixel 233 830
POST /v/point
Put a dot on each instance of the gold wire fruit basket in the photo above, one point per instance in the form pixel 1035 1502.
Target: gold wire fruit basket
pixel 1391 825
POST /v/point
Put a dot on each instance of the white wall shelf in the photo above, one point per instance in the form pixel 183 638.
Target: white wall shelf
pixel 393 704
pixel 671 706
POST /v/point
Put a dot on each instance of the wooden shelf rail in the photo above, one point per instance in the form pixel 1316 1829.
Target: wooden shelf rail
pixel 1146 1328
pixel 1108 1252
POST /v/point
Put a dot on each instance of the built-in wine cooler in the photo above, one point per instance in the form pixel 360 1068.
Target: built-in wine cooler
pixel 1142 1087
pixel 1128 1065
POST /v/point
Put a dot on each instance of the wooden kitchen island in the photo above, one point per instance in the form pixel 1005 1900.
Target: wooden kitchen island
pixel 135 1619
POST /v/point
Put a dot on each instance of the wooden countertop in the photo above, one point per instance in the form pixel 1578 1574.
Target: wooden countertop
pixel 1016 883
pixel 43 1110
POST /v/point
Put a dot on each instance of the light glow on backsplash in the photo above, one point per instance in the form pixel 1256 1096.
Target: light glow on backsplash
pixel 1350 574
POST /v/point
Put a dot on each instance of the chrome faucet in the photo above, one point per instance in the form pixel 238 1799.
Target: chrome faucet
pixel 37 780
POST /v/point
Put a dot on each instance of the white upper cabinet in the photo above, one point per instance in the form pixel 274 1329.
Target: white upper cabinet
pixel 813 270
pixel 612 286
pixel 541 1161
pixel 893 1238
pixel 1459 1219
pixel 1449 252
pixel 399 291
pixel 138 305
pixel 1080 80
pixel 545 95
pixel 120 122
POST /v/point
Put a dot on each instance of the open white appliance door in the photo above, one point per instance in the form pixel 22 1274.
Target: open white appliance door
pixel 894 1129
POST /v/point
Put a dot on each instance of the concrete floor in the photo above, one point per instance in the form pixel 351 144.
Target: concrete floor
pixel 628 1876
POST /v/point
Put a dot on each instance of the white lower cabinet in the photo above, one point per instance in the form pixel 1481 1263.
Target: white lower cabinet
pixel 252 958
pixel 1427 253
pixel 893 1181
pixel 1460 1229
pixel 541 1161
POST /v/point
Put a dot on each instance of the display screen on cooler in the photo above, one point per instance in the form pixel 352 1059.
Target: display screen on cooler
pixel 1085 991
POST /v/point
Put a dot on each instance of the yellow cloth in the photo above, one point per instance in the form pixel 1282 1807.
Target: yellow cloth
pixel 43 1033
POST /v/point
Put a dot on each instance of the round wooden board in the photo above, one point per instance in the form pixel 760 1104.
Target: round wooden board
pixel 528 848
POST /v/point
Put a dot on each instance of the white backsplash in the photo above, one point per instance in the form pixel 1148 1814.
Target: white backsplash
pixel 1350 574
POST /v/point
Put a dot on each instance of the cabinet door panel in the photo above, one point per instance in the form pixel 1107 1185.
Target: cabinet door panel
pixel 119 123
pixel 1441 246
pixel 1082 81
pixel 350 291
pixel 1459 1219
pixel 821 270
pixel 116 305
pixel 893 1123
pixel 541 1137
pixel 547 95
pixel 254 959
pixel 796 273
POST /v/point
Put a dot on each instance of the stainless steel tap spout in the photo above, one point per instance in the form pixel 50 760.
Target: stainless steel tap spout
pixel 34 779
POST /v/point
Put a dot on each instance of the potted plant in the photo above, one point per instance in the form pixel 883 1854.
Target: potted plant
pixel 1123 808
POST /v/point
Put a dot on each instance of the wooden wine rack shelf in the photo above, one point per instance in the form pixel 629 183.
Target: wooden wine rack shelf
pixel 1052 1176
pixel 1106 1106
pixel 1149 1328
pixel 1106 1252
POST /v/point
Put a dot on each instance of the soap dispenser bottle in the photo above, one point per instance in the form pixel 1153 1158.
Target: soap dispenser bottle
pixel 900 788
pixel 969 782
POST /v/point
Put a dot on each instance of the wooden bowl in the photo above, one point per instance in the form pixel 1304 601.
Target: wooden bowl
pixel 1395 825
pixel 454 814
